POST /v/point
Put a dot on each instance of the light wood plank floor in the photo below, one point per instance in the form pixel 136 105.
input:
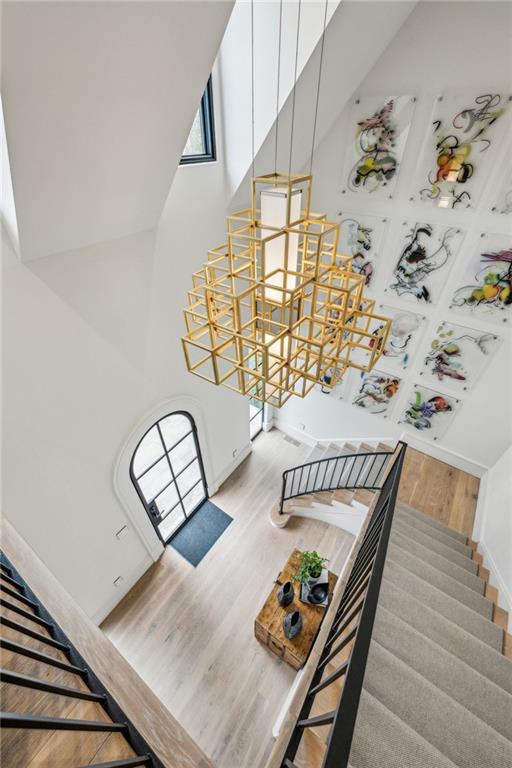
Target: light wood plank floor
pixel 189 631
pixel 440 490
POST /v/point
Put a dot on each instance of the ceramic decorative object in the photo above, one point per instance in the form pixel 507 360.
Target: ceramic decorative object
pixel 292 624
pixel 285 594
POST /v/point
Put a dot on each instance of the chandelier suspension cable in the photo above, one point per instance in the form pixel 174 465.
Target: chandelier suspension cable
pixel 278 82
pixel 294 88
pixel 252 85
pixel 318 88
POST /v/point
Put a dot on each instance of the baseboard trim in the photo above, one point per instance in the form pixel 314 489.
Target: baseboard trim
pixel 504 596
pixel 129 581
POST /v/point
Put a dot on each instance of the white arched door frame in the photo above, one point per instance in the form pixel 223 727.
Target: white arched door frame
pixel 123 485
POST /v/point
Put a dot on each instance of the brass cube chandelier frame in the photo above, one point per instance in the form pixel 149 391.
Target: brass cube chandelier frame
pixel 272 332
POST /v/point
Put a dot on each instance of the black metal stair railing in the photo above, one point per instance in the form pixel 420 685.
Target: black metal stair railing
pixel 351 471
pixel 14 587
pixel 351 631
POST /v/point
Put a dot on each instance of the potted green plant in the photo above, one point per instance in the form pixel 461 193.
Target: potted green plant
pixel 310 568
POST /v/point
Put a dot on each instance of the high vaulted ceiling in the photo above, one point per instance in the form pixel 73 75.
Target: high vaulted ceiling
pixel 98 100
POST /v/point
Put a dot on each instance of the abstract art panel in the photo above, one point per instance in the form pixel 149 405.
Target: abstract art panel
pixel 486 287
pixel 429 411
pixel 402 341
pixel 458 355
pixel 503 203
pixel 361 237
pixel 377 392
pixel 378 131
pixel 425 254
pixel 463 137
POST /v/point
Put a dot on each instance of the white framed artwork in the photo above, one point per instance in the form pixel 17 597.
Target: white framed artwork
pixel 429 411
pixel 458 355
pixel 361 238
pixel 378 131
pixel 406 330
pixel 425 254
pixel 462 139
pixel 485 288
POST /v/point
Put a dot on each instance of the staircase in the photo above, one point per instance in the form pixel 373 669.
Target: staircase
pixel 334 464
pixel 55 711
pixel 435 688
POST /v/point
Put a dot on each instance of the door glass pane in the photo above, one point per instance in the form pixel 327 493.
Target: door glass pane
pixel 167 499
pixel 171 522
pixel 183 454
pixel 153 481
pixel 174 427
pixel 193 498
pixel 188 478
pixel 148 451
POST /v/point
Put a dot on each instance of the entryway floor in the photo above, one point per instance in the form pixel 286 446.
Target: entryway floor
pixel 189 632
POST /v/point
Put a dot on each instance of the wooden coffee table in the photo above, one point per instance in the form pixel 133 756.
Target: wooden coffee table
pixel 268 626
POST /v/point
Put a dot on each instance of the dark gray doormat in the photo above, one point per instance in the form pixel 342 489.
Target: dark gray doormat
pixel 201 532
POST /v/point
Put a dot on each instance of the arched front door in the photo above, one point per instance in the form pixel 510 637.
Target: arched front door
pixel 168 474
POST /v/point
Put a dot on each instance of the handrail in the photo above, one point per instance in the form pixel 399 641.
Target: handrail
pixel 72 662
pixel 352 627
pixel 363 470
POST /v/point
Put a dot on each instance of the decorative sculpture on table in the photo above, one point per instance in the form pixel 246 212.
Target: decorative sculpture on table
pixel 487 290
pixel 463 135
pixel 458 355
pixel 373 160
pixel 427 251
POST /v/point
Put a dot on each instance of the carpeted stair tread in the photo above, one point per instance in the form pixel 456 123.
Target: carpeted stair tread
pixel 450 608
pixel 383 739
pixel 442 564
pixel 441 580
pixel 443 669
pixel 446 633
pixel 432 522
pixel 434 532
pixel 451 728
pixel 433 543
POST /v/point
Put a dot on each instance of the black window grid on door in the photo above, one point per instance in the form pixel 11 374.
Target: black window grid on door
pixel 151 503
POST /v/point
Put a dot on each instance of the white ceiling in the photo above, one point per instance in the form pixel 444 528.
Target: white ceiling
pixel 98 101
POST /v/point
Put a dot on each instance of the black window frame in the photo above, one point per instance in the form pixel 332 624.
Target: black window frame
pixel 207 129
pixel 156 519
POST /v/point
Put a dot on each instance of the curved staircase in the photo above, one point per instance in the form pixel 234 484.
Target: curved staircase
pixel 343 507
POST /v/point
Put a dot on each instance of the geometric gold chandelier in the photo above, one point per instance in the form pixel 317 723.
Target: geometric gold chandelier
pixel 276 309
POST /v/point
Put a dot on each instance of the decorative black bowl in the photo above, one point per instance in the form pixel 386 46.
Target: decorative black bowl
pixel 318 594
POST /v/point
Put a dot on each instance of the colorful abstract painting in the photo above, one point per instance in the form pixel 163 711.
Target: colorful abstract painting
pixel 463 137
pixel 429 411
pixel 374 155
pixel 361 237
pixel 458 355
pixel 486 289
pixel 406 329
pixel 425 253
pixel 377 392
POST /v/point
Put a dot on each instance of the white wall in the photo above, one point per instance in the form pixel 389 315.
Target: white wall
pixel 493 527
pixel 91 351
pixel 423 61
